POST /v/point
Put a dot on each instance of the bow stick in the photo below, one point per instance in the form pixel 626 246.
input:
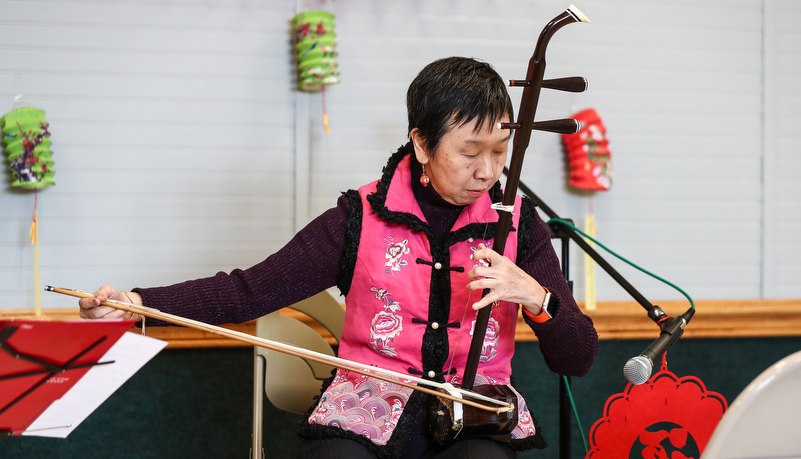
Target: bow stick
pixel 356 367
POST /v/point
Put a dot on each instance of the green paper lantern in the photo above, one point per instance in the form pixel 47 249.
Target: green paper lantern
pixel 316 50
pixel 26 141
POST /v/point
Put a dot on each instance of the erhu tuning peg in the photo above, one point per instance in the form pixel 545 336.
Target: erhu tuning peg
pixel 563 126
pixel 569 84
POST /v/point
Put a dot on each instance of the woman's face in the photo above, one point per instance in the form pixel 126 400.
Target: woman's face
pixel 466 163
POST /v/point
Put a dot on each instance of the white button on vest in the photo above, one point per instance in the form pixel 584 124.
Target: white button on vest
pixel 437 265
pixel 431 374
pixel 434 325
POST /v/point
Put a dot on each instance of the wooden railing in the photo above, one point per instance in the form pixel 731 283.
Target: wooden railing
pixel 613 320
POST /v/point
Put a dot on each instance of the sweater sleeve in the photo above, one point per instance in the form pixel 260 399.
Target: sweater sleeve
pixel 305 266
pixel 568 341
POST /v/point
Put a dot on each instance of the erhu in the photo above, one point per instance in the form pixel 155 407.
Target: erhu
pixel 449 420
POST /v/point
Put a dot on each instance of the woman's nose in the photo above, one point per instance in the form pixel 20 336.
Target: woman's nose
pixel 483 167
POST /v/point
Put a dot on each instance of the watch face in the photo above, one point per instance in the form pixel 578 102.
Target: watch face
pixel 545 304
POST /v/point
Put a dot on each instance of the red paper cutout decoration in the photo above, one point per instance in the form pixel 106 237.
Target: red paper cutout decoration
pixel 666 418
pixel 588 152
pixel 41 360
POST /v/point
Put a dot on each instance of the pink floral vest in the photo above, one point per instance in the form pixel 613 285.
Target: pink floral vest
pixel 388 320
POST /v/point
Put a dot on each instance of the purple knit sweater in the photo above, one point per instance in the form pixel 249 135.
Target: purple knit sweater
pixel 310 263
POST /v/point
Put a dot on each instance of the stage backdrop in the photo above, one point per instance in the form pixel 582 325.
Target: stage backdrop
pixel 183 147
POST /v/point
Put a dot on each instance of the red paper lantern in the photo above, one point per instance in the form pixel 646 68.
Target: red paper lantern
pixel 588 153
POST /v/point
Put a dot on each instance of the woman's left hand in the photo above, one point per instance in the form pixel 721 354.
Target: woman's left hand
pixel 506 282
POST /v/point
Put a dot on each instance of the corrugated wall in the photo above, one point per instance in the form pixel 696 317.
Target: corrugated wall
pixel 782 164
pixel 172 128
pixel 182 149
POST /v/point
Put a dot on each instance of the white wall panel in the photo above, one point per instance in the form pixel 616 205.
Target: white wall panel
pixel 677 84
pixel 782 263
pixel 177 131
pixel 172 128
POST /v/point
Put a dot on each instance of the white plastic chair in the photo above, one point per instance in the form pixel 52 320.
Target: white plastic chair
pixel 764 421
pixel 290 382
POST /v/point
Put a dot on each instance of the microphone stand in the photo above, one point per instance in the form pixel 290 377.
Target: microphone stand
pixel 565 233
pixel 565 434
pixel 560 231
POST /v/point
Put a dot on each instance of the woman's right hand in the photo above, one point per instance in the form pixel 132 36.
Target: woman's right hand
pixel 90 308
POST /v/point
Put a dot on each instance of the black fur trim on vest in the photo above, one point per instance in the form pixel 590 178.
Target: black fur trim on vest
pixel 378 199
pixel 528 218
pixel 353 231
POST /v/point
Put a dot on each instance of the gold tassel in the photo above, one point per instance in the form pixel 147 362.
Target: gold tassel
pixel 34 230
pixel 589 268
pixel 325 115
pixel 35 242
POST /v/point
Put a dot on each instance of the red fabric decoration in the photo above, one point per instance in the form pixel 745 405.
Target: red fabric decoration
pixel 666 418
pixel 588 152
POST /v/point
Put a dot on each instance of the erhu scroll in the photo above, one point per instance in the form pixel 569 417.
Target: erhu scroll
pixel 449 420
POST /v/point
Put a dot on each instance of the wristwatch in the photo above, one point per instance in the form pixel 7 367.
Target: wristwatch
pixel 545 304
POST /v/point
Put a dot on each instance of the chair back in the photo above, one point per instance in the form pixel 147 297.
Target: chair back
pixel 764 420
pixel 291 382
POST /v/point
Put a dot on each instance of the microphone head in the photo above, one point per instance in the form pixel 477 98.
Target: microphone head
pixel 638 369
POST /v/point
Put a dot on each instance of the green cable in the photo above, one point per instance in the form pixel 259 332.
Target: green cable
pixel 567 223
pixel 567 384
pixel 575 414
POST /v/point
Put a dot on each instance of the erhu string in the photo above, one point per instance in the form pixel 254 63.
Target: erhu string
pixel 468 306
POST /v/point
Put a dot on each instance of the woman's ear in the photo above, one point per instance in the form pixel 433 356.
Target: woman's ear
pixel 420 151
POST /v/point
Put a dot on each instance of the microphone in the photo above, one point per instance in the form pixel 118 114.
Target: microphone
pixel 638 369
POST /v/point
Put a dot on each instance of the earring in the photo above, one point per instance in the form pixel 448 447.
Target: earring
pixel 423 177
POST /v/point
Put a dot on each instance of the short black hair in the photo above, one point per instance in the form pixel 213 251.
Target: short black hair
pixel 453 91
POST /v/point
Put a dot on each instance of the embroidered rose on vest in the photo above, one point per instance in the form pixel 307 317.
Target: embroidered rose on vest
pixel 394 254
pixel 386 325
pixel 489 350
pixel 384 328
